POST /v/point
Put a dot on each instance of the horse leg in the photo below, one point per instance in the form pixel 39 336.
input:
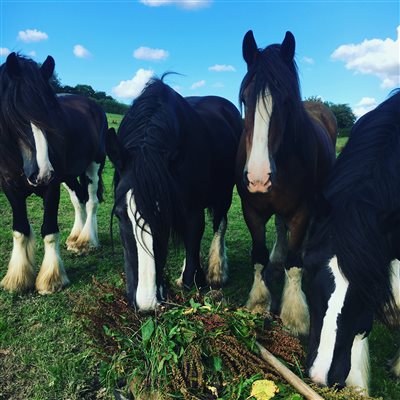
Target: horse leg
pixel 280 249
pixel 52 276
pixel 217 273
pixel 359 371
pixel 192 272
pixel 260 295
pixel 294 309
pixel 78 201
pixel 20 274
pixel 88 238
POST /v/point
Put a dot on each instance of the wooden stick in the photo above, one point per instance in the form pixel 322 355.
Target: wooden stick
pixel 288 375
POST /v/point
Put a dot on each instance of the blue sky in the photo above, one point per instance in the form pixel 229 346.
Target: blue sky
pixel 347 51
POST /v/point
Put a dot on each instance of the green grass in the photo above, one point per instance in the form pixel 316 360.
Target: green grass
pixel 44 353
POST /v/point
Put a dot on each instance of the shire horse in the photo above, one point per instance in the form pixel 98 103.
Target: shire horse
pixel 353 250
pixel 174 157
pixel 46 140
pixel 287 150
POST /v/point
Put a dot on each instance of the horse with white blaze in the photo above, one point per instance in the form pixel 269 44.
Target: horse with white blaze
pixel 174 157
pixel 46 140
pixel 353 250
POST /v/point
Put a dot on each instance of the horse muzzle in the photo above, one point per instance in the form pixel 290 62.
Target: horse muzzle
pixel 257 185
pixel 36 179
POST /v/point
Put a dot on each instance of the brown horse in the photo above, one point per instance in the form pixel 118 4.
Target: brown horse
pixel 286 151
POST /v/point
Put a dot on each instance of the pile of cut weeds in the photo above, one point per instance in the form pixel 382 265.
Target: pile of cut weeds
pixel 192 348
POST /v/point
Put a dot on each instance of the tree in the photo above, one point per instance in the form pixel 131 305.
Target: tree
pixel 344 114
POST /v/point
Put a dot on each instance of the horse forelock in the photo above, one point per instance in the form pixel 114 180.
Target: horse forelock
pixel 25 99
pixel 151 135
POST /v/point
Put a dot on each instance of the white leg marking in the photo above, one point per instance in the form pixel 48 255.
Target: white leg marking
pixel 146 292
pixel 396 365
pixel 179 281
pixel 21 272
pixel 260 297
pixel 359 372
pixel 42 153
pixel 280 249
pixel 294 309
pixel 258 165
pixel 80 218
pixel 52 276
pixel 322 363
pixel 217 273
pixel 88 238
pixel 395 281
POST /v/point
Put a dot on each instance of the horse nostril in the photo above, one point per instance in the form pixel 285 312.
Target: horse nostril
pixel 32 178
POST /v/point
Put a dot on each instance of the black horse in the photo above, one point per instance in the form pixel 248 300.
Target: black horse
pixel 287 150
pixel 174 157
pixel 46 140
pixel 353 250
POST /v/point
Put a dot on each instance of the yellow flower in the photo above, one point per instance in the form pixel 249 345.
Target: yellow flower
pixel 263 389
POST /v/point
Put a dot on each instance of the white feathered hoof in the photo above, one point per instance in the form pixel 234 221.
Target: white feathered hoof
pixel 52 276
pixel 259 297
pixel 294 310
pixel 21 273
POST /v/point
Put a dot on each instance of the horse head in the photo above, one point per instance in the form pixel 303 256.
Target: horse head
pixel 269 93
pixel 30 117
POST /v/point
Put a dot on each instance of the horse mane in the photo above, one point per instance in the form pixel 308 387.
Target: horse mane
pixel 363 188
pixel 24 99
pixel 282 79
pixel 151 135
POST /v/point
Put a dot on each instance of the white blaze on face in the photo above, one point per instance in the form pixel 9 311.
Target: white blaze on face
pixel 258 165
pixel 42 153
pixel 146 292
pixel 323 361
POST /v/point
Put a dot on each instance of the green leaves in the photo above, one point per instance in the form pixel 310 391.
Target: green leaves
pixel 147 330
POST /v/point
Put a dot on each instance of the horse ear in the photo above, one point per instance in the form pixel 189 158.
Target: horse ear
pixel 12 66
pixel 114 149
pixel 47 68
pixel 288 46
pixel 249 49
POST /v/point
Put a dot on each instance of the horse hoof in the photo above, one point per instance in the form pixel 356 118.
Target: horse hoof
pixel 82 248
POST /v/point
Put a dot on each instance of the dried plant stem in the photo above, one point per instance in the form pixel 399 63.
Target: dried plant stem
pixel 288 375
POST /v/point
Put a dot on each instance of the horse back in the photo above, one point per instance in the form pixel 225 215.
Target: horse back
pixel 325 126
pixel 86 126
pixel 213 139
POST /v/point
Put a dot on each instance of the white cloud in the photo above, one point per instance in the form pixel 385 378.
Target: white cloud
pixel 32 53
pixel 187 4
pixel 132 88
pixel 198 84
pixel 4 51
pixel 81 52
pixel 374 57
pixel 32 35
pixel 364 105
pixel 222 68
pixel 146 53
pixel 308 60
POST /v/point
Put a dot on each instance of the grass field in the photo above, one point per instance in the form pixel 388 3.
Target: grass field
pixel 44 353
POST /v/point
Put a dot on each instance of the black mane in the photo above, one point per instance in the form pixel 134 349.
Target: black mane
pixel 362 190
pixel 152 136
pixel 24 99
